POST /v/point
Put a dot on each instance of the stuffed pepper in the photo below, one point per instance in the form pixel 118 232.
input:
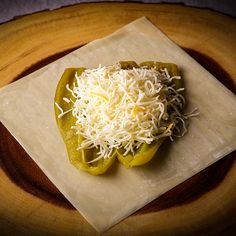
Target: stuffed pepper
pixel 123 111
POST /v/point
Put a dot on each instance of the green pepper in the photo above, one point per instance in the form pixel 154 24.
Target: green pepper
pixel 147 151
pixel 79 158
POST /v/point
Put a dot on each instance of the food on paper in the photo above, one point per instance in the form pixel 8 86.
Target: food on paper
pixel 124 110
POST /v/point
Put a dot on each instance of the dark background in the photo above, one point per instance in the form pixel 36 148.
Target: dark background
pixel 9 9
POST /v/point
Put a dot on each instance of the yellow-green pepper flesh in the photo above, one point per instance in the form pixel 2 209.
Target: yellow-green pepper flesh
pixel 79 158
pixel 147 151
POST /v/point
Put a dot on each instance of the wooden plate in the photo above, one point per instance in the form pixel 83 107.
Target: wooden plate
pixel 31 205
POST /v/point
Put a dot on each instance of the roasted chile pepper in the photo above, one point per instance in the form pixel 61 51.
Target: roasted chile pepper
pixel 80 158
pixel 147 151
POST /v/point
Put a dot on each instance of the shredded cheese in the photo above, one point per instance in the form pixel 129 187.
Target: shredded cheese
pixel 117 108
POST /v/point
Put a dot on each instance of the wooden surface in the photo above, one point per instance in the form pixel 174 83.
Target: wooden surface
pixel 31 205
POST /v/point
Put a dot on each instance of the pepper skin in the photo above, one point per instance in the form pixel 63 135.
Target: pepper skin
pixel 147 151
pixel 78 158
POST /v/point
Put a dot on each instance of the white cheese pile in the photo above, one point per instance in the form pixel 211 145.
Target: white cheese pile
pixel 120 108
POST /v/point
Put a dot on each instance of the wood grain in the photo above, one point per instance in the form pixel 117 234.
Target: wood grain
pixel 30 203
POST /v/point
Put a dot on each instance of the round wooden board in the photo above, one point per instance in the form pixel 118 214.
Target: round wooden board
pixel 31 205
